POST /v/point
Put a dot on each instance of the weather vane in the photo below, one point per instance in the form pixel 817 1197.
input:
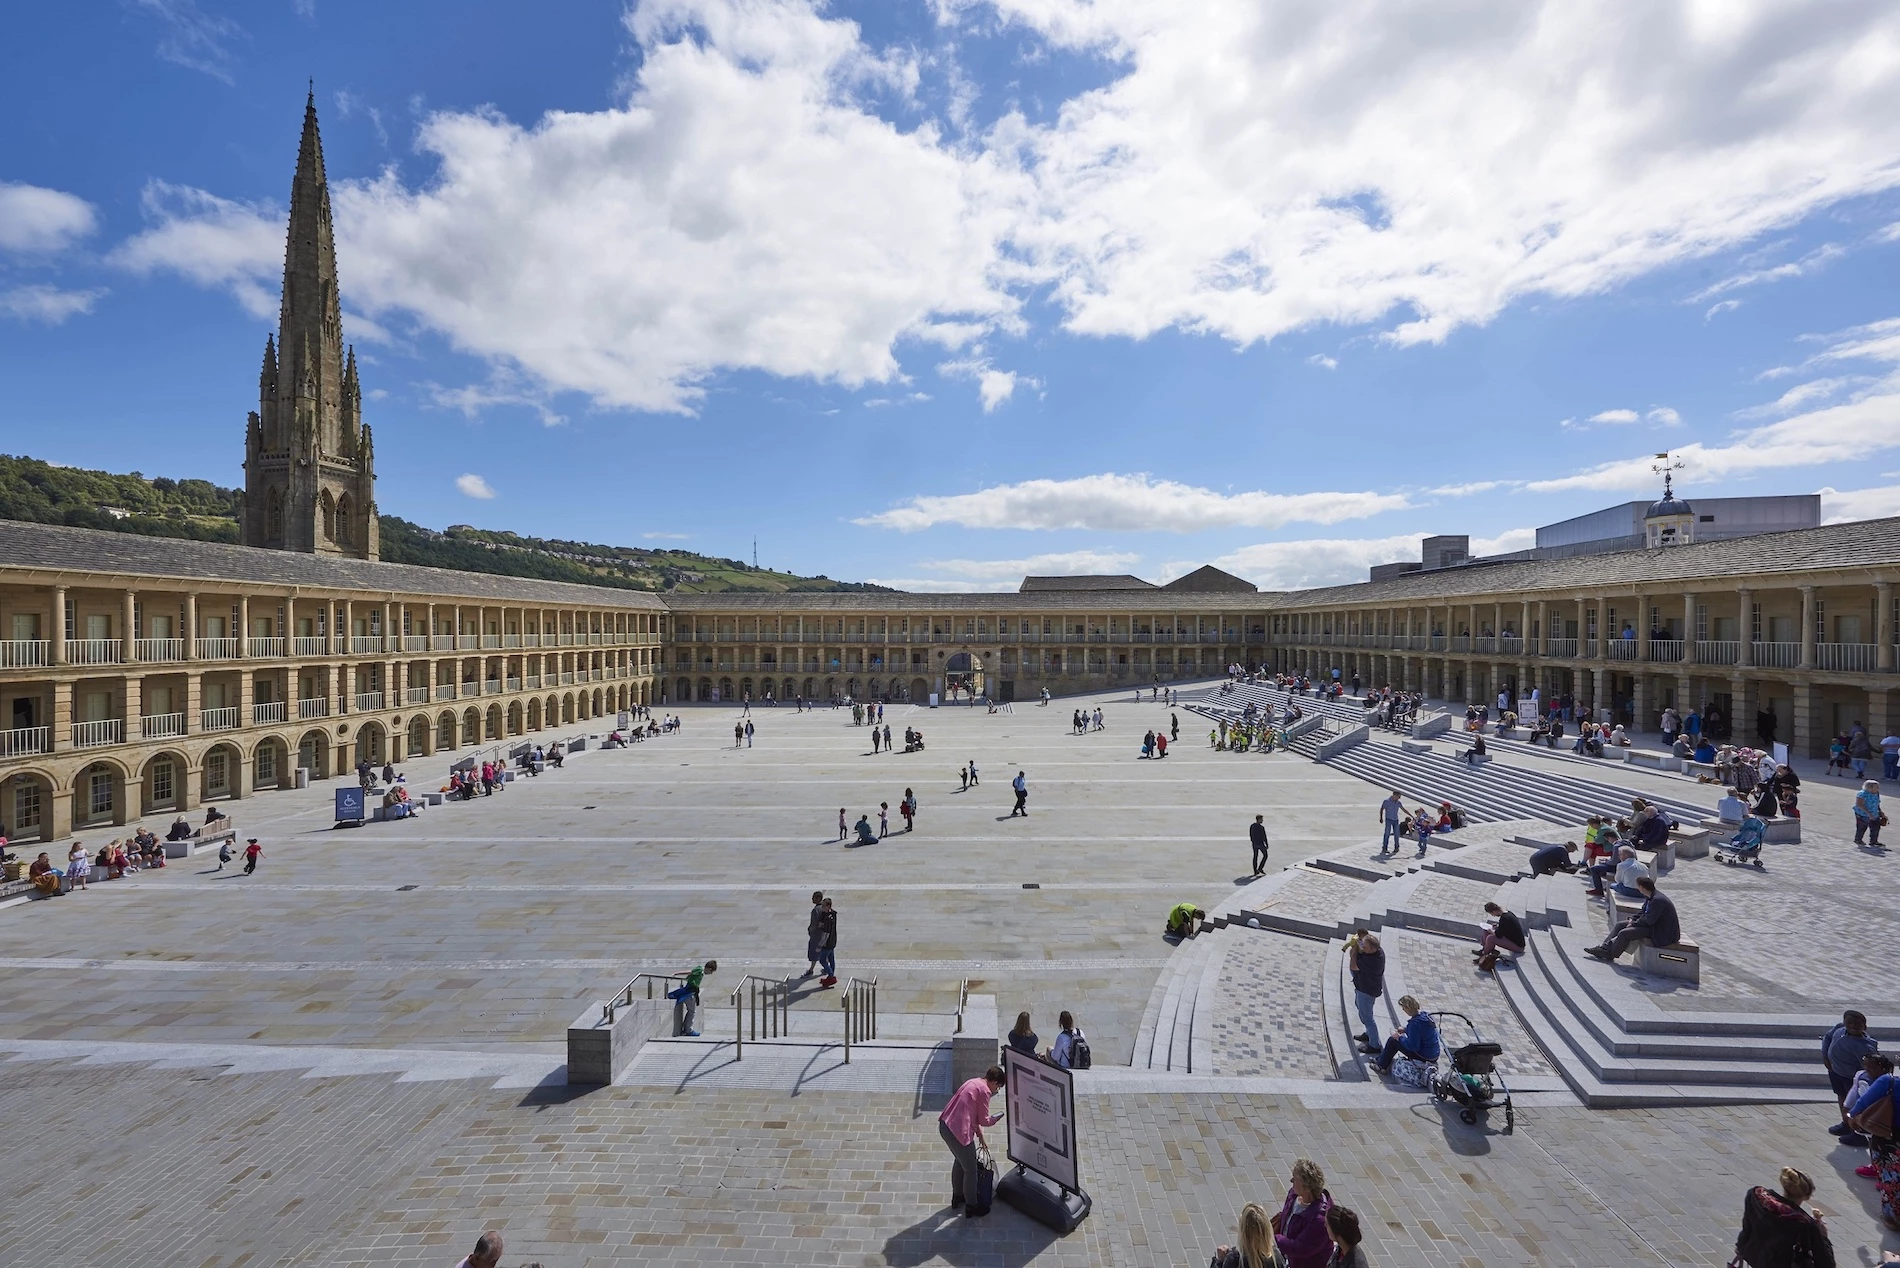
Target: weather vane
pixel 1666 465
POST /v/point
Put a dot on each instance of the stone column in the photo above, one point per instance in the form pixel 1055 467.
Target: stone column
pixel 1883 627
pixel 1810 726
pixel 1640 702
pixel 244 628
pixel 194 701
pixel 134 705
pixel 1600 687
pixel 1879 715
pixel 56 629
pixel 1745 629
pixel 1807 627
pixel 128 628
pixel 392 641
pixel 190 631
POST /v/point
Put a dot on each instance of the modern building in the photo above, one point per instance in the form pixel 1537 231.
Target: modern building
pixel 140 676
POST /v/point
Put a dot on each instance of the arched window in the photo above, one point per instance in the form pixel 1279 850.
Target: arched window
pixel 326 516
pixel 345 515
pixel 274 517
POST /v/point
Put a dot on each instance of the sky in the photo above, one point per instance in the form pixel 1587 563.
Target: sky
pixel 939 292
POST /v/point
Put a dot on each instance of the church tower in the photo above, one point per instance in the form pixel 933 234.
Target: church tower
pixel 309 469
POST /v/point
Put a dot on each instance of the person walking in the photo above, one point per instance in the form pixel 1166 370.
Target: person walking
pixel 1174 728
pixel 1257 835
pixel 965 773
pixel 1365 959
pixel 1868 818
pixel 224 856
pixel 883 819
pixel 887 736
pixel 78 866
pixel 1844 1051
pixel 874 739
pixel 813 926
pixel 908 808
pixel 961 1126
pixel 1021 786
pixel 748 733
pixel 252 852
pixel 1391 811
pixel 738 734
pixel 844 826
pixel 828 942
pixel 974 781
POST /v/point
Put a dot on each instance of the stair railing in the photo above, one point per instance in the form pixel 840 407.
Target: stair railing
pixel 860 1013
pixel 768 1005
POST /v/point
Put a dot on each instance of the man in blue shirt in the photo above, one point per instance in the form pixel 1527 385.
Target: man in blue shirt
pixel 1391 810
pixel 1655 924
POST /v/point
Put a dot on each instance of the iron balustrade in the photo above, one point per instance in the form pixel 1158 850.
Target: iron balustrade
pixel 416 695
pixel 314 707
pixel 158 650
pixel 768 1003
pixel 1857 658
pixel 224 719
pixel 1716 651
pixel 623 998
pixel 25 653
pixel 1621 648
pixel 24 741
pixel 859 1001
pixel 445 691
pixel 1665 649
pixel 97 734
pixel 270 711
pixel 93 651
pixel 368 701
pixel 1777 655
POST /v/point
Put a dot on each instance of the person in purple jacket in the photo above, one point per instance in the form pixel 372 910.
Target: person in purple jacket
pixel 1299 1230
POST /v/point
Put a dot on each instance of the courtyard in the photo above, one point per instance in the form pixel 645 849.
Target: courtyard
pixel 356 1054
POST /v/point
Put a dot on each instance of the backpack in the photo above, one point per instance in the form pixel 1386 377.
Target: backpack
pixel 1080 1058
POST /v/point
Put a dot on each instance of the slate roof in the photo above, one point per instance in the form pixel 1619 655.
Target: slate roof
pixel 58 548
pixel 1207 578
pixel 1115 581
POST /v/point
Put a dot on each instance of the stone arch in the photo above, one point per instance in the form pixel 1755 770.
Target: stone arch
pixel 683 691
pixel 534 714
pixel 831 688
pixel 919 691
pixel 418 736
pixel 270 763
pixel 851 688
pixel 596 711
pixel 472 725
pixel 567 707
pixel 445 731
pixel 313 753
pixel 326 516
pixel 745 687
pixel 725 689
pixel 345 516
pixel 221 773
pixel 99 794
pixel 492 723
pixel 161 782
pixel 274 518
pixel 26 804
pixel 808 689
pixel 705 689
pixel 871 688
pixel 515 726
pixel 645 694
pixel 372 744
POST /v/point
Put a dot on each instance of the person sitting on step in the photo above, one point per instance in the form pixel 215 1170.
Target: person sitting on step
pixel 1503 931
pixel 1656 924
pixel 1419 1039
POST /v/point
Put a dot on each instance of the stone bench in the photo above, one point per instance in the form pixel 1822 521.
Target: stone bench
pixel 1689 843
pixel 1692 767
pixel 1415 746
pixel 1472 759
pixel 1682 960
pixel 1652 759
pixel 198 841
pixel 1781 830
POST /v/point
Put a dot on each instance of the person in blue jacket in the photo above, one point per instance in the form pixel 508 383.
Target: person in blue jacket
pixel 1419 1039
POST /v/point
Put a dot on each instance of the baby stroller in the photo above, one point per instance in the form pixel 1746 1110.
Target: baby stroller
pixel 1745 846
pixel 1473 1081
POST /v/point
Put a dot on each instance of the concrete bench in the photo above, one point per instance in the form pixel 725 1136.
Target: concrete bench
pixel 1682 960
pixel 1781 830
pixel 1415 746
pixel 1692 767
pixel 1652 759
pixel 198 841
pixel 1689 843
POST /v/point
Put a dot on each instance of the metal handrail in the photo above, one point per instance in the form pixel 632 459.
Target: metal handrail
pixel 963 1002
pixel 770 1001
pixel 859 1001
pixel 623 998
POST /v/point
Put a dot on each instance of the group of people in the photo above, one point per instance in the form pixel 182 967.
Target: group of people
pixel 1397 825
pixel 907 808
pixel 1070 1049
pixel 1083 720
pixel 1258 736
pixel 1155 743
pixel 1309 1230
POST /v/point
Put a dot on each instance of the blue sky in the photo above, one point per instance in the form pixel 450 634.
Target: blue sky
pixel 934 293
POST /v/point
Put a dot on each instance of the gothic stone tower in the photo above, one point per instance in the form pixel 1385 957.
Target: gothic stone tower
pixel 309 469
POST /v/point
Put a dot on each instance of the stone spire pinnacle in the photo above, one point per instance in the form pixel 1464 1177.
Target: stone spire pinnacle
pixel 311 322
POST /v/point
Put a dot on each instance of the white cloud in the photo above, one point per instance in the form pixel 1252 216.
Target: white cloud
pixel 1616 417
pixel 1817 259
pixel 193 38
pixel 993 386
pixel 1323 361
pixel 666 537
pixel 1865 422
pixel 40 220
pixel 474 486
pixel 1663 416
pixel 885 402
pixel 1842 506
pixel 1656 416
pixel 1511 539
pixel 213 242
pixel 1466 490
pixel 474 399
pixel 1720 307
pixel 1259 168
pixel 46 303
pixel 1127 503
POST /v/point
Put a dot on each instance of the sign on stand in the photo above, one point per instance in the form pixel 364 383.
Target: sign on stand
pixel 1046 1184
pixel 350 804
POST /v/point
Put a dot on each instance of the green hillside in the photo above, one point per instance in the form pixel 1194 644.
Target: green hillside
pixel 158 507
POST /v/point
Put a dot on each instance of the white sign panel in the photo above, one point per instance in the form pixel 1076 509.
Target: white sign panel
pixel 1041 1101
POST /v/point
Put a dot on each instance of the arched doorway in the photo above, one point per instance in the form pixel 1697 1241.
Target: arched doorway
pixel 472 726
pixel 493 721
pixel 313 754
pixel 370 745
pixel 26 801
pixel 962 675
pixel 567 707
pixel 162 783
pixel 919 691
pixel 99 795
pixel 445 731
pixel 514 718
pixel 725 689
pixel 534 715
pixel 269 765
pixel 222 773
pixel 705 690
pixel 418 736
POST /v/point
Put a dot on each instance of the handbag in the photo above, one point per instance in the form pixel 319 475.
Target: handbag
pixel 1876 1119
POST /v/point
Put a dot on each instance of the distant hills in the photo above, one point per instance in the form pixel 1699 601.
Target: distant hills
pixel 31 489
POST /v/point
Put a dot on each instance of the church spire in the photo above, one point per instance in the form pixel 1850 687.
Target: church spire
pixel 311 319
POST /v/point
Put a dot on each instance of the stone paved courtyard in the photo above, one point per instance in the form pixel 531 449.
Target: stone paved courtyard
pixel 481 930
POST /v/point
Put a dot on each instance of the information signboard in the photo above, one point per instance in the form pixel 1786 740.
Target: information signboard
pixel 349 805
pixel 1041 1107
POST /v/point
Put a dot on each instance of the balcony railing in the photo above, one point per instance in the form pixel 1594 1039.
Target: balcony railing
pixel 268 712
pixel 491 687
pixel 314 707
pixel 217 648
pixel 1777 655
pixel 491 640
pixel 219 719
pixel 567 679
pixel 368 701
pixel 363 644
pixel 514 684
pixel 1621 648
pixel 93 651
pixel 442 642
pixel 1855 658
pixel 445 691
pixel 95 734
pixel 1665 649
pixel 24 741
pixel 511 640
pixel 157 650
pixel 534 682
pixel 1716 651
pixel 159 726
pixel 267 648
pixel 304 645
pixel 1562 647
pixel 25 653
